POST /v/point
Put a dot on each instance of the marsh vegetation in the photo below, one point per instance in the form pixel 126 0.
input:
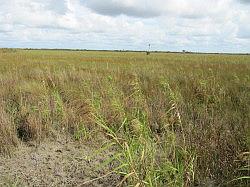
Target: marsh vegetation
pixel 168 119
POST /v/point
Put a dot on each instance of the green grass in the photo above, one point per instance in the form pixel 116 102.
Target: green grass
pixel 173 119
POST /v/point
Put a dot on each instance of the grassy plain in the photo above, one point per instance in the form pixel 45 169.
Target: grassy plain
pixel 170 119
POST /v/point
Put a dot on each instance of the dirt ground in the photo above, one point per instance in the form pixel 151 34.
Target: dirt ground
pixel 57 163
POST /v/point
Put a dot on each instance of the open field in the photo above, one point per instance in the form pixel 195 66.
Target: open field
pixel 126 119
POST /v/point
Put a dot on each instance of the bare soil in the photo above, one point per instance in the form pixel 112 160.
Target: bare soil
pixel 57 163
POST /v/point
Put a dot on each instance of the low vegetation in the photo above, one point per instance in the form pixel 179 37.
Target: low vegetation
pixel 171 119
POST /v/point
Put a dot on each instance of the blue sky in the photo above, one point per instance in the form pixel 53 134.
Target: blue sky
pixel 172 25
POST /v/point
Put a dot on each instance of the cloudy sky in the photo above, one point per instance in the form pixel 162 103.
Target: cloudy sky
pixel 194 25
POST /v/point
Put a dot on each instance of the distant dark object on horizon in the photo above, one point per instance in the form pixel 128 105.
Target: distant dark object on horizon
pixel 149 47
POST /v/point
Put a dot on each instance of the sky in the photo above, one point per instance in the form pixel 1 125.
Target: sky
pixel 168 25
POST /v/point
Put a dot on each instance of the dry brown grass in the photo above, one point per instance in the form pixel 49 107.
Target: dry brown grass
pixel 8 138
pixel 176 118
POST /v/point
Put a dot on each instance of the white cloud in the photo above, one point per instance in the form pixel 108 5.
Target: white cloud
pixel 216 25
pixel 149 8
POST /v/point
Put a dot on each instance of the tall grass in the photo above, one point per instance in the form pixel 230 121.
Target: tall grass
pixel 173 119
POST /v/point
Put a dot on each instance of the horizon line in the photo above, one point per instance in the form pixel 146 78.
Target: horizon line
pixel 124 50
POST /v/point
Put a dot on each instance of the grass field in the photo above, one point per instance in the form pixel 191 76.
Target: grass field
pixel 169 119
